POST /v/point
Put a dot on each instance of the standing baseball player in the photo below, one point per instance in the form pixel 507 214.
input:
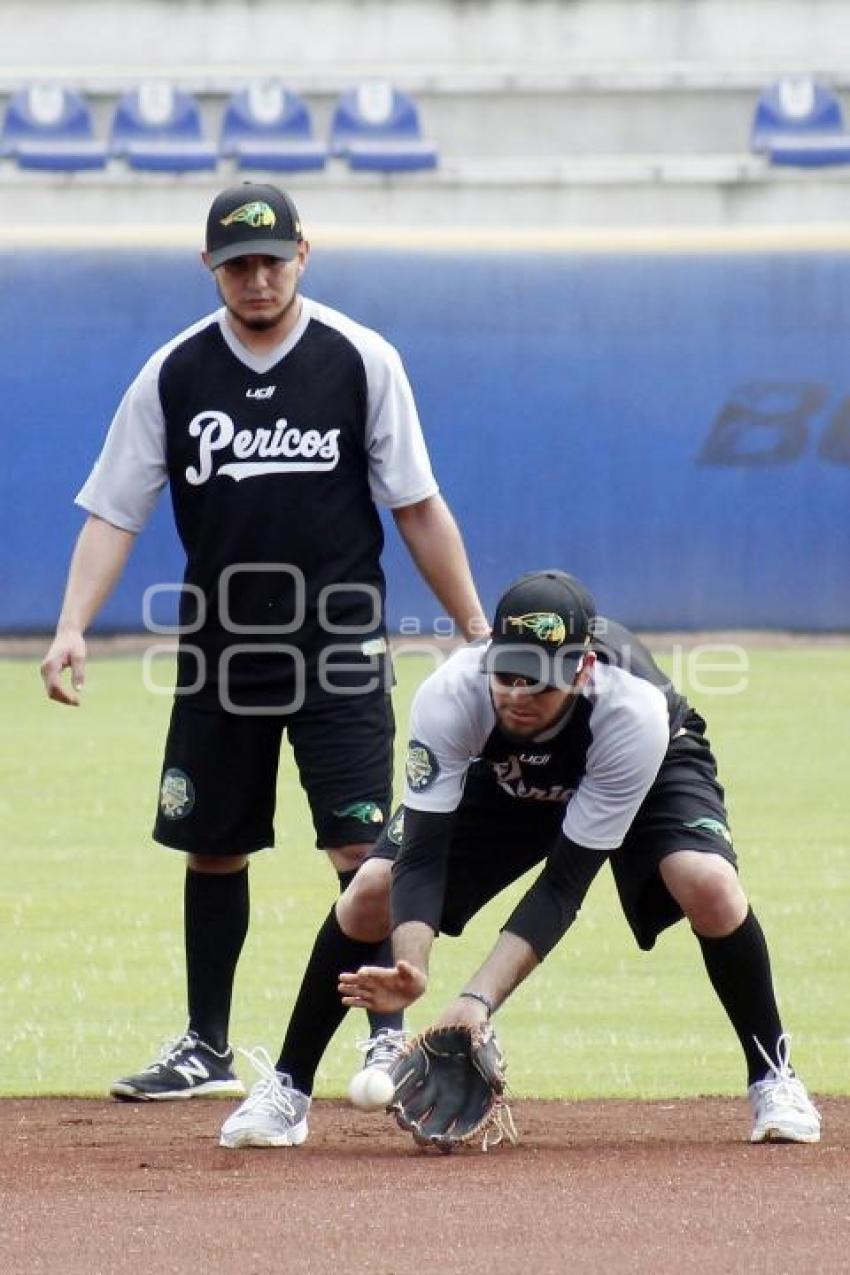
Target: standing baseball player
pixel 560 741
pixel 280 426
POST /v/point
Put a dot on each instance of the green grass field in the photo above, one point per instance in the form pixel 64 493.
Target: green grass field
pixel 91 967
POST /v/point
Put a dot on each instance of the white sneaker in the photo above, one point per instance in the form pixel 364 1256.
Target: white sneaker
pixel 782 1110
pixel 273 1115
pixel 383 1050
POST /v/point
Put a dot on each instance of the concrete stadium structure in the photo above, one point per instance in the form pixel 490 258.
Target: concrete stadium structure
pixel 566 117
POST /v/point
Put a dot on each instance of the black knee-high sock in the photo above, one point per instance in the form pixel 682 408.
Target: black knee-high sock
pixel 318 1009
pixel 739 968
pixel 383 956
pixel 216 912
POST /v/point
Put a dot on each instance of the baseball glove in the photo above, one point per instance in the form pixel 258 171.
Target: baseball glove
pixel 449 1089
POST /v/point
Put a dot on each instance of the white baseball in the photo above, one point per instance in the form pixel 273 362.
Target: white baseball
pixel 371 1089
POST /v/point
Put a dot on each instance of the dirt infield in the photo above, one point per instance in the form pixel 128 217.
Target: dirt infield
pixel 100 1188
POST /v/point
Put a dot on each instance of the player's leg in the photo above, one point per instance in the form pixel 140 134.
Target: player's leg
pixel 387 1037
pixel 216 912
pixel 216 804
pixel 375 736
pixel 275 1112
pixel 343 747
pixel 343 750
pixel 737 961
pixel 707 889
pixel 683 829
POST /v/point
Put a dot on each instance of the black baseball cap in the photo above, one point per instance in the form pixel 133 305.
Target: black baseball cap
pixel 252 217
pixel 542 627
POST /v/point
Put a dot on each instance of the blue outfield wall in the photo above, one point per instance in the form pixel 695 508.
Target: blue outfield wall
pixel 673 428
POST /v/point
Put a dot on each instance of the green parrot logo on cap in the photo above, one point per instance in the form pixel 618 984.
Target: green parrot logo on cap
pixel 255 214
pixel 545 625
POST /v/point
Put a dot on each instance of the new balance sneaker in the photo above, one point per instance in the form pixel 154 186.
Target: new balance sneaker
pixel 782 1110
pixel 383 1050
pixel 273 1115
pixel 186 1068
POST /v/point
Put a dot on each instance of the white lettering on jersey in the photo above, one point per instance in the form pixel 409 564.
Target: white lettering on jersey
pixel 307 451
pixel 261 391
pixel 509 777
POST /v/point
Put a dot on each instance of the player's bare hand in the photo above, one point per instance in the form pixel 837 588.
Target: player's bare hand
pixel 463 1012
pixel 67 651
pixel 383 989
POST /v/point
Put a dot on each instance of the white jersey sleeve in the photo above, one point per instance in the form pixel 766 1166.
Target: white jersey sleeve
pixel 451 718
pixel 131 470
pixel 631 734
pixel 399 467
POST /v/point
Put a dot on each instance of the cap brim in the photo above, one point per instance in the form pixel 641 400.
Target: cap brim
pixel 533 663
pixel 286 249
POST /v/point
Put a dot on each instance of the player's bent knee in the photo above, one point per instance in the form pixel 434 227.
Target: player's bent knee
pixel 708 891
pixel 363 911
pixel 718 906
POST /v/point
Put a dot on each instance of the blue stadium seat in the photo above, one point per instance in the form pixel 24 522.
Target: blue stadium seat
pixel 48 126
pixel 269 126
pixel 158 127
pixel 374 126
pixel 800 122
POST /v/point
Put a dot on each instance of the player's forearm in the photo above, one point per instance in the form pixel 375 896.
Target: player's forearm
pixel 547 910
pixel 510 962
pixel 99 557
pixel 435 544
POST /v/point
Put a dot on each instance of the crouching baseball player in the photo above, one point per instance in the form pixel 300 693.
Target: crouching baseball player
pixel 556 741
pixel 561 741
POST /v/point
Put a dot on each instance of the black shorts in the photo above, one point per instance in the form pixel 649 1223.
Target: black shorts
pixel 219 775
pixel 497 838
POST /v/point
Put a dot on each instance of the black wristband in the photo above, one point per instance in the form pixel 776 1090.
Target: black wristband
pixel 485 1001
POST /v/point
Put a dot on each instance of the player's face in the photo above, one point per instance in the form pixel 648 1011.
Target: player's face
pixel 522 709
pixel 526 710
pixel 259 291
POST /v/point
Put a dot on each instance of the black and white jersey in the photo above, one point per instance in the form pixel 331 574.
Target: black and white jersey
pixel 275 465
pixel 599 761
